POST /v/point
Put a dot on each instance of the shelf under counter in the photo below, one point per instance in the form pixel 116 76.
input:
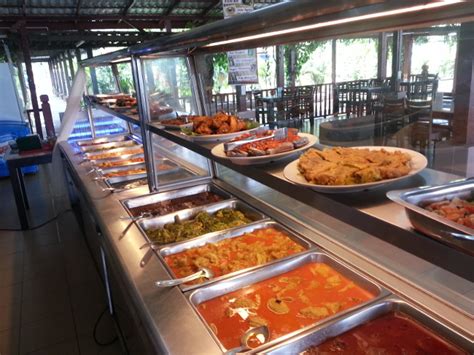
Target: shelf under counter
pixel 375 215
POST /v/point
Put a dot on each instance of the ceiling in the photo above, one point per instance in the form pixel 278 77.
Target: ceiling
pixel 56 25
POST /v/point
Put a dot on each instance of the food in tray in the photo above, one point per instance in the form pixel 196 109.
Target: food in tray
pixel 112 145
pixel 133 184
pixel 258 247
pixel 164 167
pixel 348 166
pixel 268 146
pixel 117 163
pixel 391 334
pixel 164 207
pixel 115 154
pixel 174 122
pixel 456 210
pixel 125 172
pixel 202 223
pixel 220 123
pixel 284 303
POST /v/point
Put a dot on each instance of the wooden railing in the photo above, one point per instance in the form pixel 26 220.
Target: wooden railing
pixel 326 97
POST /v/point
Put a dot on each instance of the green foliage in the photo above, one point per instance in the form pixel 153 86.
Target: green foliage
pixel 126 78
pixel 265 72
pixel 303 53
pixel 220 65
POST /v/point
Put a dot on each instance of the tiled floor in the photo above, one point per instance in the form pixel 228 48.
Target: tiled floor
pixel 50 290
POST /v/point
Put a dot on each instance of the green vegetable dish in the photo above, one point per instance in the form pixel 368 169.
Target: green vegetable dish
pixel 201 224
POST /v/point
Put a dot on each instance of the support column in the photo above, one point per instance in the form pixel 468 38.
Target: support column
pixel 62 66
pixel 25 46
pixel 51 75
pixel 67 72
pixel 396 56
pixel 115 73
pixel 78 57
pixel 333 61
pixel 95 87
pixel 280 66
pixel 21 77
pixel 292 66
pixel 241 97
pixel 71 66
pixel 382 56
pixel 59 76
pixel 463 120
pixel 407 43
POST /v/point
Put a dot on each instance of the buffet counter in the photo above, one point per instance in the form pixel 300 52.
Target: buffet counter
pixel 166 318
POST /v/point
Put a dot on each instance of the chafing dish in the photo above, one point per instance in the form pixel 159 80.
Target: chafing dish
pixel 211 291
pixel 108 146
pixel 117 152
pixel 217 237
pixel 117 138
pixel 122 161
pixel 432 224
pixel 159 222
pixel 319 334
pixel 170 195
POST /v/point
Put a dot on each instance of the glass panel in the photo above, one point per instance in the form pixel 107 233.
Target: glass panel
pixel 125 78
pixel 168 85
pixel 105 80
pixel 175 164
pixel 105 124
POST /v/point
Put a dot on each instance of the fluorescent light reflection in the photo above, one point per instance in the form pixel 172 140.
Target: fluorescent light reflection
pixel 336 22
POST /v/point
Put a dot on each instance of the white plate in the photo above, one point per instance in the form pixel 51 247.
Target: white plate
pixel 418 163
pixel 218 151
pixel 176 127
pixel 217 137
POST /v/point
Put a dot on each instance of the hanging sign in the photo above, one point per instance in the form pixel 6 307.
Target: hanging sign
pixel 243 63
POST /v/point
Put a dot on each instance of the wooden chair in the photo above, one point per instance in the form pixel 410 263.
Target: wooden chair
pixel 260 112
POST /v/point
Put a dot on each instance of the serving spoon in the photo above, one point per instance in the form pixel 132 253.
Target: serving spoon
pixel 203 272
pixel 244 340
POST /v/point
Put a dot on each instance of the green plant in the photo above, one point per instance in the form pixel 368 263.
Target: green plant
pixel 302 53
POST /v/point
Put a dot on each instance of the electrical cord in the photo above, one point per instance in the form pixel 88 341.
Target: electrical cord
pixel 94 333
pixel 38 226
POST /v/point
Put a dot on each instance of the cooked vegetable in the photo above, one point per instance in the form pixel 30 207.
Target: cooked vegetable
pixel 201 224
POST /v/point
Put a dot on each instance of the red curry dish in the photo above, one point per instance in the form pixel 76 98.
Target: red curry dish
pixel 284 303
pixel 390 334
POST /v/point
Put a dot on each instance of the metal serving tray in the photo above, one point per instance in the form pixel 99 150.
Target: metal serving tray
pixel 232 233
pixel 159 222
pixel 318 335
pixel 118 138
pixel 203 294
pixel 104 171
pixel 107 146
pixel 116 159
pixel 123 152
pixel 170 195
pixel 432 224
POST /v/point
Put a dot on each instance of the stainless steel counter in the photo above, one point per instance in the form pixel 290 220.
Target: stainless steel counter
pixel 171 322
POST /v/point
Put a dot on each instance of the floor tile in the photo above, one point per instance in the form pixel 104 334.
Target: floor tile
pixel 89 347
pixel 10 294
pixel 9 341
pixel 34 240
pixel 48 331
pixel 43 253
pixel 63 348
pixel 38 306
pixel 10 316
pixel 11 276
pixel 44 286
pixel 51 268
pixel 11 244
pixel 10 261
